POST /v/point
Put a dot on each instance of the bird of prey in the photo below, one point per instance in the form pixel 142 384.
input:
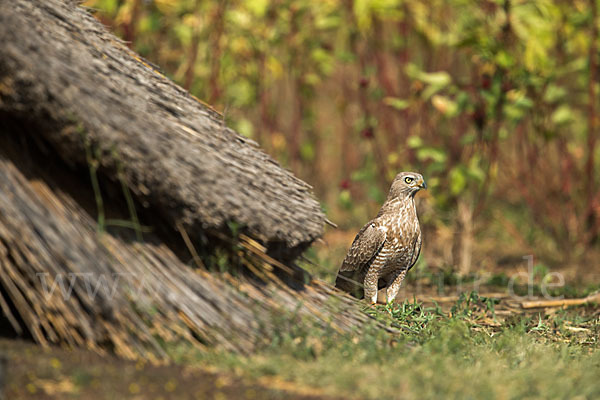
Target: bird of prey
pixel 386 247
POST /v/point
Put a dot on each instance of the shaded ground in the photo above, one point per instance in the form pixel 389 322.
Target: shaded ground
pixel 35 373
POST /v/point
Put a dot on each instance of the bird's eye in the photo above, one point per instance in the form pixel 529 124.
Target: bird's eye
pixel 408 179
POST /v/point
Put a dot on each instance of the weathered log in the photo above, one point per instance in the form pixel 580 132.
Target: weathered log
pixel 84 87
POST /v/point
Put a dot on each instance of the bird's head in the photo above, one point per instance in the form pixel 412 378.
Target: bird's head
pixel 407 184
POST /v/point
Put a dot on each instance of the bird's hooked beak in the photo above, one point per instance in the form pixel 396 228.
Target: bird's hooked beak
pixel 423 184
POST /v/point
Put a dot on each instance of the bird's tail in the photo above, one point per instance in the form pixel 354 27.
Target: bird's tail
pixel 350 282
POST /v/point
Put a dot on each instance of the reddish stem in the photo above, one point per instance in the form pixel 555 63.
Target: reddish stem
pixel 590 185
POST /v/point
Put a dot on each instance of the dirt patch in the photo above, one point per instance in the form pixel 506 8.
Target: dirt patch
pixel 36 373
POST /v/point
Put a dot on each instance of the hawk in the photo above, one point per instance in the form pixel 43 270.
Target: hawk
pixel 386 247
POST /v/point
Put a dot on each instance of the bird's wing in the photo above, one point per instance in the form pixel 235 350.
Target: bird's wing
pixel 367 243
pixel 416 252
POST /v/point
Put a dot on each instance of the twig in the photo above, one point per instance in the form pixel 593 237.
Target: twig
pixel 189 245
pixel 593 298
pixel 332 224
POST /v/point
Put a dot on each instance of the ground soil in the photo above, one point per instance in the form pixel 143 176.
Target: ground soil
pixel 55 373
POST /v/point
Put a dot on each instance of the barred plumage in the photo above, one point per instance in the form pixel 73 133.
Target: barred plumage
pixel 387 246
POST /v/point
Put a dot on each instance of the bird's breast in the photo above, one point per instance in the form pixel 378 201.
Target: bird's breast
pixel 402 236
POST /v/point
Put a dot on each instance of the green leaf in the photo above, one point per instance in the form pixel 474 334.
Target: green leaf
pixel 524 102
pixel 431 153
pixel 554 93
pixel 504 60
pixel 445 105
pixel 328 22
pixel 439 79
pixel 474 170
pixel 414 142
pixel 562 115
pixel 513 112
pixel 244 127
pixel 430 91
pixel 307 151
pixel 398 104
pixel 458 180
pixel 345 199
pixel 324 60
pixel 257 7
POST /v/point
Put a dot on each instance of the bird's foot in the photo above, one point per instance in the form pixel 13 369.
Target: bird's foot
pixel 371 297
pixel 370 307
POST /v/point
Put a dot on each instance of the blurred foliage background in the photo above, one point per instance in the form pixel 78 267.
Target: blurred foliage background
pixel 495 102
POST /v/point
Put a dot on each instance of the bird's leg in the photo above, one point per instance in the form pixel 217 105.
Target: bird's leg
pixel 370 284
pixel 393 287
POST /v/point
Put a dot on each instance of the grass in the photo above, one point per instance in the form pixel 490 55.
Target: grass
pixel 467 353
pixel 470 350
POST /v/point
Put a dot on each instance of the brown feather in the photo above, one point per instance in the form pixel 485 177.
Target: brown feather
pixel 366 245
